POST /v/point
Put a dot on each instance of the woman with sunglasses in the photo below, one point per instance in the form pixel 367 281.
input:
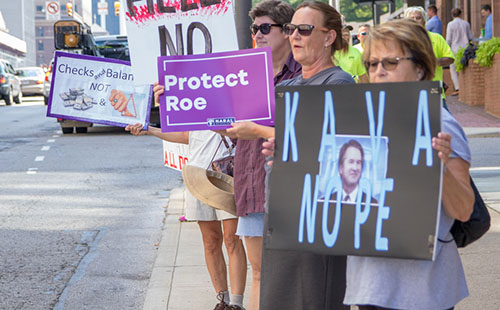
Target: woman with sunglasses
pixel 291 279
pixel 249 173
pixel 401 51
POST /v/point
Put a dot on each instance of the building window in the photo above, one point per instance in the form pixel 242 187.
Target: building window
pixel 39 8
pixel 40 45
pixel 39 31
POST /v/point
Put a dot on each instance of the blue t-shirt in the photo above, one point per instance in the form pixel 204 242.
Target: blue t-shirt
pixel 434 24
pixel 414 284
pixel 488 30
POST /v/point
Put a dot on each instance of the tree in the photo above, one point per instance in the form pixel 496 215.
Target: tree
pixel 352 11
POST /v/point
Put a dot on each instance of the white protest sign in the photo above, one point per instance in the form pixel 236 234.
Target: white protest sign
pixel 176 27
pixel 97 90
pixel 175 155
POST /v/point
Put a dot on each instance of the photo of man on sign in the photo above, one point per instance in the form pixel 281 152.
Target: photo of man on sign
pixel 350 168
pixel 356 167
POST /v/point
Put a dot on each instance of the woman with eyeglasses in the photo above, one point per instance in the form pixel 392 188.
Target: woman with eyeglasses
pixel 249 174
pixel 401 51
pixel 291 279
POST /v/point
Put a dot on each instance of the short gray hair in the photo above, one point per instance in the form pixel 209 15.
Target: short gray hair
pixel 413 9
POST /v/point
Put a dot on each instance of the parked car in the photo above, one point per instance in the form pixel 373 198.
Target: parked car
pixel 10 85
pixel 46 83
pixel 31 80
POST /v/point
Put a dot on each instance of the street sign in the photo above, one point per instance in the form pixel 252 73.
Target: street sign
pixel 52 10
pixel 102 8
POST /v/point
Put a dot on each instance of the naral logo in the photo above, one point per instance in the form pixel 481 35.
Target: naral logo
pixel 220 121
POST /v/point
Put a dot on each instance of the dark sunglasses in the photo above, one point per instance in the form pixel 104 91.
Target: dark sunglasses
pixel 264 28
pixel 304 29
pixel 389 63
pixel 364 33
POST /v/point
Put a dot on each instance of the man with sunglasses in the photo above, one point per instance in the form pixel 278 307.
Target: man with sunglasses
pixel 350 60
pixel 362 34
pixel 268 17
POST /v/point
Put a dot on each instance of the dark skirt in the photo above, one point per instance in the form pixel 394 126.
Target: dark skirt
pixel 298 280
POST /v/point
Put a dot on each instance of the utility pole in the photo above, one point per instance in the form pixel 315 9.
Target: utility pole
pixel 243 22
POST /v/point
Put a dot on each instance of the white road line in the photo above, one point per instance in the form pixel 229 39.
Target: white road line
pixel 55 136
pixel 45 148
pixel 484 168
pixel 39 158
pixel 59 132
pixel 51 141
pixel 32 170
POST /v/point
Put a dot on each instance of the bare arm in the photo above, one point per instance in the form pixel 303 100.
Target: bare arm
pixel 177 137
pixel 248 131
pixel 458 196
pixel 445 61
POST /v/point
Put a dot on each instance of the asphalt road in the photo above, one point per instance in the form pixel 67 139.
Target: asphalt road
pixel 80 214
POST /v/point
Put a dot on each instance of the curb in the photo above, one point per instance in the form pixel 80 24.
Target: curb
pixel 160 282
pixel 482 132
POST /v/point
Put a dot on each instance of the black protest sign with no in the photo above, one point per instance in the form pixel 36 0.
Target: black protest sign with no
pixel 372 142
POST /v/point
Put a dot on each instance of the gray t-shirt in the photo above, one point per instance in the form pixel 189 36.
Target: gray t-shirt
pixel 296 280
pixel 330 76
pixel 414 284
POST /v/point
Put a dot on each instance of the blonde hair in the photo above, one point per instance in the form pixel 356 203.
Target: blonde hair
pixel 413 9
pixel 411 38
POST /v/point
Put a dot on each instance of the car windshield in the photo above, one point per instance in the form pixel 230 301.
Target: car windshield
pixel 30 72
pixel 111 43
pixel 113 47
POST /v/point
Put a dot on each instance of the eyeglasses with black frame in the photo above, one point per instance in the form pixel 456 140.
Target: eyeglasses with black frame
pixel 304 29
pixel 264 28
pixel 388 63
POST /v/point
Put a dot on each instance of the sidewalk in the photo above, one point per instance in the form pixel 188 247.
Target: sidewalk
pixel 180 280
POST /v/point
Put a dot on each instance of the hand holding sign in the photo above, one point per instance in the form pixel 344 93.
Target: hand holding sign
pixel 247 131
pixel 442 144
pixel 136 129
pixel 158 90
pixel 268 149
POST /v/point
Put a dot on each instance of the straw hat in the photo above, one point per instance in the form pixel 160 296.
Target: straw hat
pixel 211 187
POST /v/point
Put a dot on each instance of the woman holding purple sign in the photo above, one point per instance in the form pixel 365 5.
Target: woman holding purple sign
pixel 292 279
pixel 249 173
pixel 401 51
pixel 216 226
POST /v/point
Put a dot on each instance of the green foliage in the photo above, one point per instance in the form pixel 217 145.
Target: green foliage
pixel 486 51
pixel 352 11
pixel 458 56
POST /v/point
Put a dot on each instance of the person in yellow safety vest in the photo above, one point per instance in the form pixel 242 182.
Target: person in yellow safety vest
pixel 362 34
pixel 350 60
pixel 442 50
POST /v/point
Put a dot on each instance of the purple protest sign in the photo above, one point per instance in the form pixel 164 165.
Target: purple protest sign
pixel 211 91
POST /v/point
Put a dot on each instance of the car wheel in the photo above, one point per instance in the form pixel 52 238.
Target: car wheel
pixel 67 130
pixel 81 129
pixel 19 98
pixel 8 99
